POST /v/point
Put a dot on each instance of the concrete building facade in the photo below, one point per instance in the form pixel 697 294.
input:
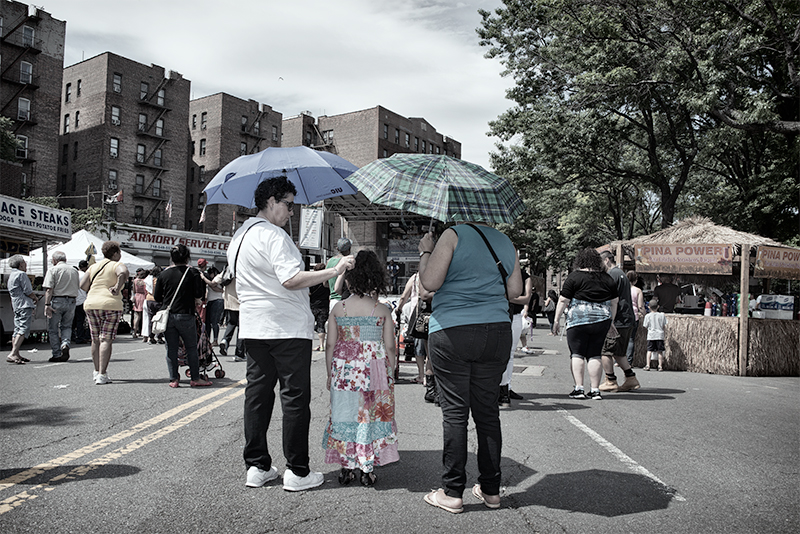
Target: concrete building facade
pixel 222 128
pixel 123 134
pixel 31 68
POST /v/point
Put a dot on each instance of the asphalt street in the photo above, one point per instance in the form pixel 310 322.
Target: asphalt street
pixel 685 453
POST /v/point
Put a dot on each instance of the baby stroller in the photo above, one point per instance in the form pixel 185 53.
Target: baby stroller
pixel 205 354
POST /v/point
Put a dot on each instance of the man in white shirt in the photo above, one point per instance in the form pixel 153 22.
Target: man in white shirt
pixel 277 327
pixel 62 283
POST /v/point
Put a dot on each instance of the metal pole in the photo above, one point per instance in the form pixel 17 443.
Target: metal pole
pixel 744 319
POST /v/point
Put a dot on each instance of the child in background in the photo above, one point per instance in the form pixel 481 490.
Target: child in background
pixel 654 322
pixel 360 356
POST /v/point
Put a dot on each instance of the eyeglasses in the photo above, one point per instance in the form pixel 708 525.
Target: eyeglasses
pixel 289 205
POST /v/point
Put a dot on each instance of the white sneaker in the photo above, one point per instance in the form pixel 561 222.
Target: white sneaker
pixel 258 477
pixel 292 482
pixel 102 379
pixel 238 359
pixel 95 374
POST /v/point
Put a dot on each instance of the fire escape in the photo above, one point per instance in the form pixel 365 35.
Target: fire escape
pixel 154 100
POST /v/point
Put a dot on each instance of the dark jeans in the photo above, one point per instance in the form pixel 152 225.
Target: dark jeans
pixel 182 326
pixel 79 330
pixel 270 361
pixel 233 324
pixel 468 362
pixel 632 343
pixel 214 310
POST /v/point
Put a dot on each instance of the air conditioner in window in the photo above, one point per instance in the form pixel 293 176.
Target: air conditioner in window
pixel 115 122
pixel 203 127
pixel 114 155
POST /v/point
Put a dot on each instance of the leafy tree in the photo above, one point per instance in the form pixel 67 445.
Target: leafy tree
pixel 636 109
pixel 8 143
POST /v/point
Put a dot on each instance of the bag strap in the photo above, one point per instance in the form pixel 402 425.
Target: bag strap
pixel 239 249
pixel 100 270
pixel 503 273
pixel 178 288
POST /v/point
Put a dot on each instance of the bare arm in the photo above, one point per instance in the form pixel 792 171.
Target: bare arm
pixel 563 302
pixel 525 298
pixel 122 276
pixel 388 339
pixel 312 278
pixel 330 342
pixel 433 265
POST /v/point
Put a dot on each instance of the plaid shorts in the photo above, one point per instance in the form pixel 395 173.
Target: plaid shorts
pixel 103 323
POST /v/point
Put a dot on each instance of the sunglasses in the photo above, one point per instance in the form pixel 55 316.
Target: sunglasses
pixel 289 205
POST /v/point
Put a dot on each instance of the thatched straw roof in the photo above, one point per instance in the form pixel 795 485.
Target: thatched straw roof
pixel 701 230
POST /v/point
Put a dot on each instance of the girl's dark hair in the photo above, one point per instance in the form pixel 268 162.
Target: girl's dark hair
pixel 368 276
pixel 588 258
pixel 179 254
pixel 277 187
pixel 552 294
pixel 212 272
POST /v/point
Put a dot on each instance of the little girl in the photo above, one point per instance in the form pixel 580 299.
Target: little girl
pixel 360 357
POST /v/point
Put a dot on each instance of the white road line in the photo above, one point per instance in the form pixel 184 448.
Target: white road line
pixel 629 462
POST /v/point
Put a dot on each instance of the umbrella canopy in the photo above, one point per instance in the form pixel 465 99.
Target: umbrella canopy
pixel 440 187
pixel 317 175
pixel 75 249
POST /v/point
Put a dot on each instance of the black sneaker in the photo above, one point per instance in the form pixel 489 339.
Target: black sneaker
pixel 504 401
pixel 223 347
pixel 577 394
pixel 514 395
pixel 594 395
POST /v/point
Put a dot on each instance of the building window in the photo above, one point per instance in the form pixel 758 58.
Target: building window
pixel 193 147
pixel 68 92
pixel 77 118
pixel 160 97
pixel 117 84
pixel 397 136
pixel 141 153
pixel 191 171
pixel 66 123
pixel 203 120
pixel 114 147
pixel 191 201
pixel 416 144
pixel 24 180
pixel 22 147
pixel 112 180
pixel 64 154
pixel 28 35
pixel 75 151
pixel 438 150
pixel 157 157
pixel 157 218
pixel 142 122
pixel 138 213
pixel 274 133
pixel 160 127
pixel 257 127
pixel 138 186
pixel 79 88
pixel 244 123
pixel 202 147
pixel 25 72
pixel 111 212
pixel 194 122
pixel 408 140
pixel 201 178
pixel 74 181
pixel 423 146
pixel 386 131
pixel 144 88
pixel 327 137
pixel 431 148
pixel 242 148
pixel 200 204
pixel 156 187
pixel 23 109
pixel 115 116
pixel 63 182
pixel 385 153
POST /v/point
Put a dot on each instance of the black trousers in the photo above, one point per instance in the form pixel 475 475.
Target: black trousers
pixel 288 362
pixel 468 362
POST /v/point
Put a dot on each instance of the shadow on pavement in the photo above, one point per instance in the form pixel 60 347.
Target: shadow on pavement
pixel 18 415
pixel 596 492
pixel 70 473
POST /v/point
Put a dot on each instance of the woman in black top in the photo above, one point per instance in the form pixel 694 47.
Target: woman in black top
pixel 181 325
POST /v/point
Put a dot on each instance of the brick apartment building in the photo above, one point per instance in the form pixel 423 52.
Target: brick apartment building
pixel 31 67
pixel 222 128
pixel 124 129
pixel 362 137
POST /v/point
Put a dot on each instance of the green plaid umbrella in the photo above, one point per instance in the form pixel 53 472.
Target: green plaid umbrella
pixel 440 187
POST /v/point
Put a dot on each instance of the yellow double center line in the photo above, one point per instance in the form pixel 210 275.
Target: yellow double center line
pixel 14 501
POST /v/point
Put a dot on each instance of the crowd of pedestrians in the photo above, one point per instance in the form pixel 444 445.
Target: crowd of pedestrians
pixel 476 301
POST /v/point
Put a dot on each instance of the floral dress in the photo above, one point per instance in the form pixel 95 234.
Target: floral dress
pixel 361 431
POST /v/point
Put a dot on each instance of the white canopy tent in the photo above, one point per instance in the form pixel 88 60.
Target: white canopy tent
pixel 75 249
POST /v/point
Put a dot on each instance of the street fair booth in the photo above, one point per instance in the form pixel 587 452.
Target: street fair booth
pixel 23 226
pixel 708 255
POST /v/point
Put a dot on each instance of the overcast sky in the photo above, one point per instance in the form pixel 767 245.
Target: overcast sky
pixel 418 58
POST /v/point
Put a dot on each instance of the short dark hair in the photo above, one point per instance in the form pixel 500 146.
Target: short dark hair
pixel 607 254
pixel 632 277
pixel 110 248
pixel 179 254
pixel 368 276
pixel 83 265
pixel 277 187
pixel 588 258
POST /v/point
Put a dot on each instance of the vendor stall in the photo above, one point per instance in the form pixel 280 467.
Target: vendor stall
pixel 707 254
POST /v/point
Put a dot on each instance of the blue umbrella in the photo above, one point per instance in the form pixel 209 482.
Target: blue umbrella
pixel 317 175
